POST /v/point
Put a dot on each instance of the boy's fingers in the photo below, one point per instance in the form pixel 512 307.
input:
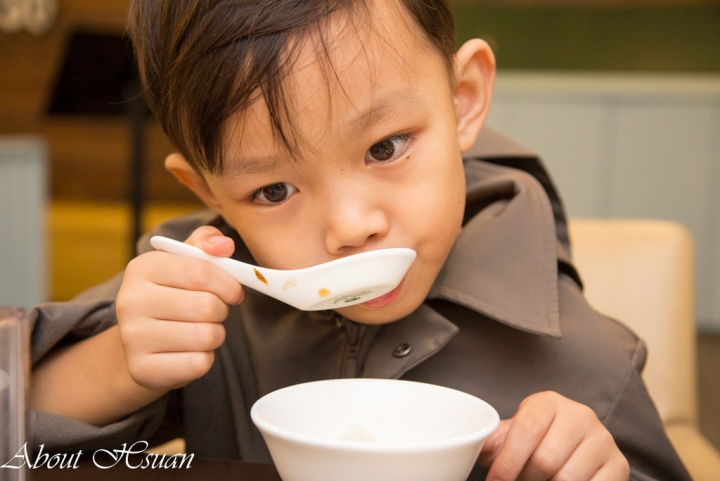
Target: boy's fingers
pixel 581 466
pixel 596 457
pixel 524 435
pixel 492 445
pixel 552 437
pixel 171 370
pixel 189 306
pixel 588 460
pixel 176 336
pixel 557 447
pixel 169 270
pixel 212 241
pixel 616 468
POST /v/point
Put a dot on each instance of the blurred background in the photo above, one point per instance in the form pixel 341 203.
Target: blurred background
pixel 620 97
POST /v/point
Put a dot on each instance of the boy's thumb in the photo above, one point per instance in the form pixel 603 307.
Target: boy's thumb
pixel 212 241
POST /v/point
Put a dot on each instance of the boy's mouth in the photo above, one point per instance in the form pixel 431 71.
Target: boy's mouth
pixel 385 299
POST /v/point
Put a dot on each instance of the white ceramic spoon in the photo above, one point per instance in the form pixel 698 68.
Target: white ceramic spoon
pixel 339 283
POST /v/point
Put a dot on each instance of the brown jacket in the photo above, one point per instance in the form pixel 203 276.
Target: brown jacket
pixel 506 318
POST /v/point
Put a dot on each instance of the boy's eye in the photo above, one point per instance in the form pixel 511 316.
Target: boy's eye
pixel 274 193
pixel 388 149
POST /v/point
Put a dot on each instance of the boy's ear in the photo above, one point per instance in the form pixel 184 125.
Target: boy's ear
pixel 190 178
pixel 474 79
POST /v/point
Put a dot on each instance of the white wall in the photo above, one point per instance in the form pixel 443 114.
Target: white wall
pixel 638 146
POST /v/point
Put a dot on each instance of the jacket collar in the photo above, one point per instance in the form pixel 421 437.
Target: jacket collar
pixel 504 264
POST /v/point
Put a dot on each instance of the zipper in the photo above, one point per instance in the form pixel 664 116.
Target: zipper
pixel 353 335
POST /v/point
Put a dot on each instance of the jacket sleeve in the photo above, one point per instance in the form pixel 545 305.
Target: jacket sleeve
pixel 638 430
pixel 63 323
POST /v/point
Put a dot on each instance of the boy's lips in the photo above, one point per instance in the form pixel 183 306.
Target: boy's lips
pixel 385 299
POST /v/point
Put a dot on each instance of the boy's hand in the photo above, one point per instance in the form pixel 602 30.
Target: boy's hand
pixel 552 437
pixel 170 310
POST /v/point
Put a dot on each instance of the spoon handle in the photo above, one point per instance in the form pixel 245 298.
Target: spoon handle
pixel 241 272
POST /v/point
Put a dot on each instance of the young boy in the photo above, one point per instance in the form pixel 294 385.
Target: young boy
pixel 315 130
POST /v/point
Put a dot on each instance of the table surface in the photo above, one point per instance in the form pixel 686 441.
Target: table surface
pixel 200 470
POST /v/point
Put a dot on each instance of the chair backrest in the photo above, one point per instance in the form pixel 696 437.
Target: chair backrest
pixel 641 272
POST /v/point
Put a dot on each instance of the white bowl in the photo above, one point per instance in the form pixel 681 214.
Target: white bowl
pixel 373 430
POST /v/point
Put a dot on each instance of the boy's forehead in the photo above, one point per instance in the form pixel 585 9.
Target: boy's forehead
pixel 345 77
pixel 252 146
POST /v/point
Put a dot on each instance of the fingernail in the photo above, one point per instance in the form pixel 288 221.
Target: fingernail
pixel 216 238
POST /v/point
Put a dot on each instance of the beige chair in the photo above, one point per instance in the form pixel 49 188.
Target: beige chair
pixel 174 446
pixel 641 272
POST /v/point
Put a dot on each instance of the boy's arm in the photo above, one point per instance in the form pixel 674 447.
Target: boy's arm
pixel 638 430
pixel 56 326
pixel 89 381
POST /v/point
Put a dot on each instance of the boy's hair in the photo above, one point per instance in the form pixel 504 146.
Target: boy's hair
pixel 201 61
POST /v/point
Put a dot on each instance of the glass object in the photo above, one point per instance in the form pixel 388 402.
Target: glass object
pixel 14 384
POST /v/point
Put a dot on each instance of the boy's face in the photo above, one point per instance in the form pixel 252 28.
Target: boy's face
pixel 380 160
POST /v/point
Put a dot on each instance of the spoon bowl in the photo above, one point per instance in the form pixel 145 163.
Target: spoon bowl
pixel 339 283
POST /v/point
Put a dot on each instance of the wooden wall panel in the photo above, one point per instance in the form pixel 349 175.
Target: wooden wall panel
pixel 105 12
pixel 89 159
pixel 28 63
pixel 27 67
pixel 88 155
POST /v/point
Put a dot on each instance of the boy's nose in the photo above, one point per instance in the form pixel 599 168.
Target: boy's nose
pixel 353 223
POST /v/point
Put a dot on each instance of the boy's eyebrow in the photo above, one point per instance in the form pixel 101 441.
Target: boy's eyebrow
pixel 255 163
pixel 252 165
pixel 391 104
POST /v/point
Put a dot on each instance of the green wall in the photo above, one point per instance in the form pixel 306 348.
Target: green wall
pixel 669 39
